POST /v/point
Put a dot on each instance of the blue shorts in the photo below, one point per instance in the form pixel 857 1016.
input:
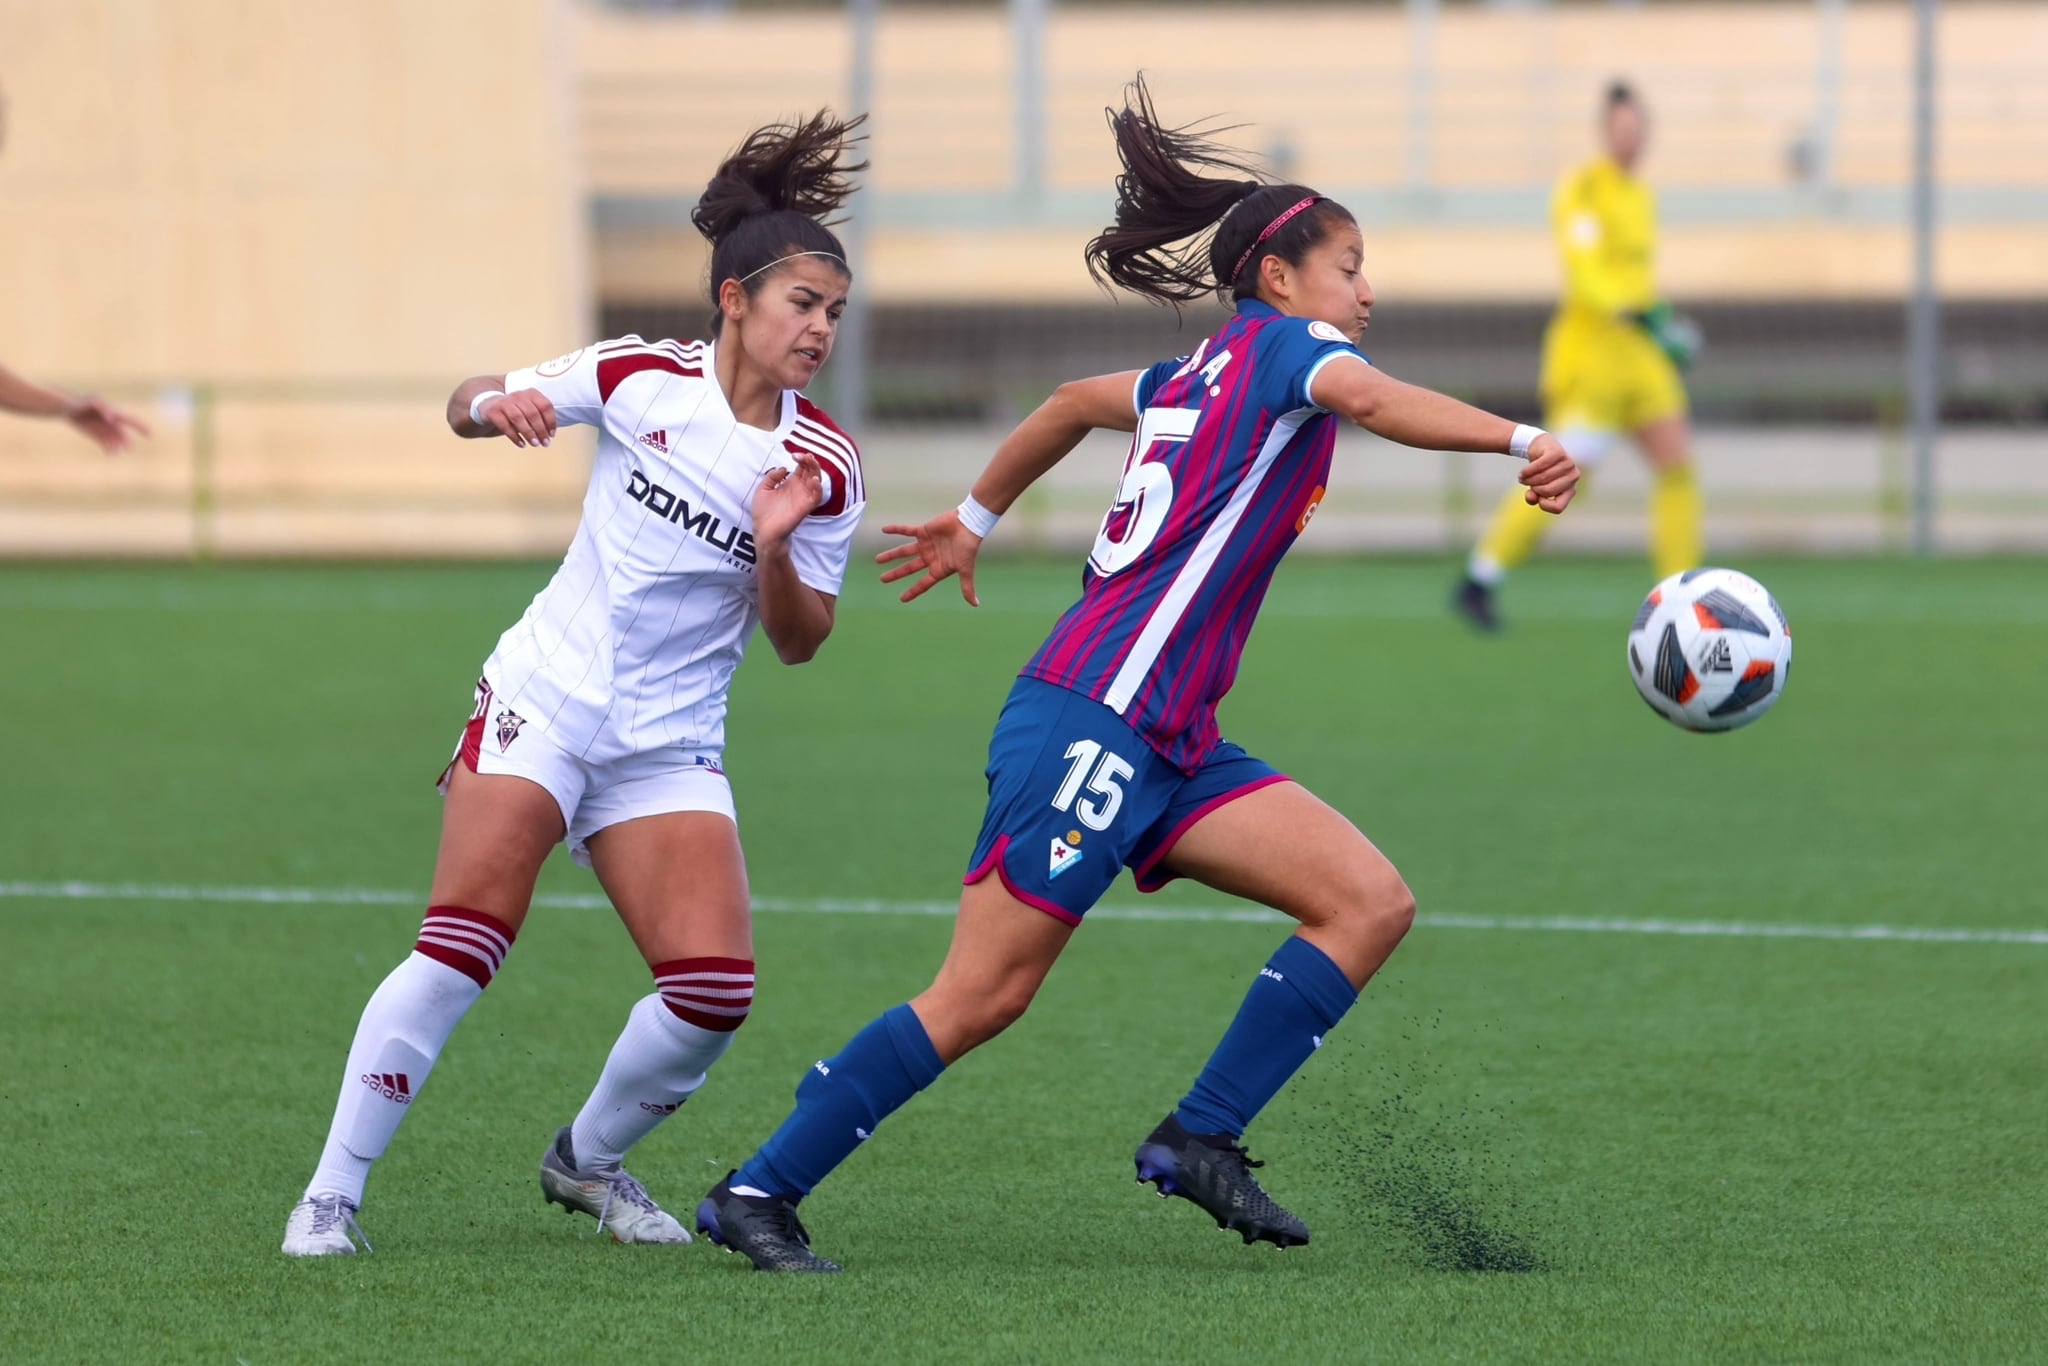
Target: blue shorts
pixel 1075 796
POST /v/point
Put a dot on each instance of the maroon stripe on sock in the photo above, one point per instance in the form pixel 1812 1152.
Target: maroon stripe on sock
pixel 489 922
pixel 686 1000
pixel 717 1024
pixel 675 965
pixel 468 964
pixel 472 962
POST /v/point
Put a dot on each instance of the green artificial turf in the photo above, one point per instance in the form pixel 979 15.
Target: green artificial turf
pixel 1532 1144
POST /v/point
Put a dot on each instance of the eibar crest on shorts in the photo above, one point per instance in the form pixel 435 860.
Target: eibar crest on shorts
pixel 509 723
pixel 1064 856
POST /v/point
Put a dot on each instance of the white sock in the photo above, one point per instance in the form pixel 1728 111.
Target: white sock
pixel 403 1029
pixel 657 1064
pixel 1484 569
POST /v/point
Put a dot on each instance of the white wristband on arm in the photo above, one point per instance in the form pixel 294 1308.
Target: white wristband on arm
pixel 476 405
pixel 1524 437
pixel 977 518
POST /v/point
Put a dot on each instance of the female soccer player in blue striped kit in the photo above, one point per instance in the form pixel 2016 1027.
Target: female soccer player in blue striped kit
pixel 1107 754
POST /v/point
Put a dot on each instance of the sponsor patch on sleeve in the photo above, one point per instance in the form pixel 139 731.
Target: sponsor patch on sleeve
pixel 1322 331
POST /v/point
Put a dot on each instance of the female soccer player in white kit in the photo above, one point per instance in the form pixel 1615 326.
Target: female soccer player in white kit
pixel 719 497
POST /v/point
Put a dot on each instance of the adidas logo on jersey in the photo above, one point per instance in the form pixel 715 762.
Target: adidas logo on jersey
pixel 658 439
pixel 390 1085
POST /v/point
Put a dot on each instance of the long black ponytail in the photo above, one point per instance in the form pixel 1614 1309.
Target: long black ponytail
pixel 771 199
pixel 1181 230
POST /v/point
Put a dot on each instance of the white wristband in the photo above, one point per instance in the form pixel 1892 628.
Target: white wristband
pixel 1524 437
pixel 476 405
pixel 977 518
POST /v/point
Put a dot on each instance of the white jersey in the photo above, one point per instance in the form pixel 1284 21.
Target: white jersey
pixel 631 646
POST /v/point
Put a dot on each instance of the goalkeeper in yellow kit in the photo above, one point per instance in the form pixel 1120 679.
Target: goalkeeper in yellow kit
pixel 1611 361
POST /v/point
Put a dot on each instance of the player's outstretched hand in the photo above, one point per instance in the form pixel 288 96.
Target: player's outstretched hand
pixel 785 498
pixel 106 426
pixel 938 550
pixel 1551 477
pixel 526 418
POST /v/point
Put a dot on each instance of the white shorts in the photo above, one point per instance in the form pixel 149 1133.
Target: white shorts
pixel 1586 445
pixel 592 796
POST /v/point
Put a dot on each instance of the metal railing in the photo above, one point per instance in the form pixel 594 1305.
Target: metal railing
pixel 284 467
pixel 277 469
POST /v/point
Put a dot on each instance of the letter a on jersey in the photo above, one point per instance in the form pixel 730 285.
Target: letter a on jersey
pixel 1064 856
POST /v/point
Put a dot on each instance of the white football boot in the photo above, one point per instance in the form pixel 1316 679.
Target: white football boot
pixel 619 1203
pixel 320 1226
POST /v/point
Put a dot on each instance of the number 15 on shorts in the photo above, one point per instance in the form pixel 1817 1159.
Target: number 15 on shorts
pixel 1098 771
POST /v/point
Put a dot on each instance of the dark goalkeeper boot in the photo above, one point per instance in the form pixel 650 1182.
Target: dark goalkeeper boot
pixel 1214 1171
pixel 1473 601
pixel 763 1227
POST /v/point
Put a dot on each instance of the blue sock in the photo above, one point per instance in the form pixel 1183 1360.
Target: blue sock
pixel 1296 999
pixel 841 1101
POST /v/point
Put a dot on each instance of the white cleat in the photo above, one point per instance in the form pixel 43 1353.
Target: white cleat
pixel 619 1203
pixel 321 1226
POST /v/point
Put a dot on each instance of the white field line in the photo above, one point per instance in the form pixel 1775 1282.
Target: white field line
pixel 372 896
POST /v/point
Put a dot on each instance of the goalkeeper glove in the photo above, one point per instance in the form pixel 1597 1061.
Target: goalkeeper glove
pixel 1676 335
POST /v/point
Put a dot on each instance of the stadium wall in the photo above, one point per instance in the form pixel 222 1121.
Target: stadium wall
pixel 283 228
pixel 287 231
pixel 1450 168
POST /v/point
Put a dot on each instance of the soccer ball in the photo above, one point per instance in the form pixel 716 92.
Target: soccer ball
pixel 1710 649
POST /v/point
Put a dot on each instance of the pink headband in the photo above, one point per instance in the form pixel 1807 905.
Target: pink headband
pixel 1282 221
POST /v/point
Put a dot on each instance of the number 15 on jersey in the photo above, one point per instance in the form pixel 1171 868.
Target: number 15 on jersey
pixel 1145 495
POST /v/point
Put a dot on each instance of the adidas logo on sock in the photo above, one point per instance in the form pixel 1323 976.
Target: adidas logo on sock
pixel 390 1085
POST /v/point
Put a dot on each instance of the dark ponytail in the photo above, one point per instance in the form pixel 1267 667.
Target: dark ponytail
pixel 1179 233
pixel 770 199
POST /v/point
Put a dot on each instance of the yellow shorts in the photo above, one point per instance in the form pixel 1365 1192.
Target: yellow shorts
pixel 1601 375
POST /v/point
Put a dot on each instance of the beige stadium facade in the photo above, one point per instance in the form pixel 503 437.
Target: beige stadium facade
pixel 286 230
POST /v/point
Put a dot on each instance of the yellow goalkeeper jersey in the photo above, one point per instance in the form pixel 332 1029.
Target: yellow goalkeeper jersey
pixel 1605 221
pixel 1601 371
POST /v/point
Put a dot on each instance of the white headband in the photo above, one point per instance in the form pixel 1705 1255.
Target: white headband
pixel 791 257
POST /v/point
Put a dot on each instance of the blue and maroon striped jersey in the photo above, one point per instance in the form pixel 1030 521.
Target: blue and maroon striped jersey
pixel 1230 459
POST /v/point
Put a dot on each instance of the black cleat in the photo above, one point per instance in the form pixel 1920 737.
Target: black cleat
pixel 764 1227
pixel 1214 1171
pixel 1474 602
